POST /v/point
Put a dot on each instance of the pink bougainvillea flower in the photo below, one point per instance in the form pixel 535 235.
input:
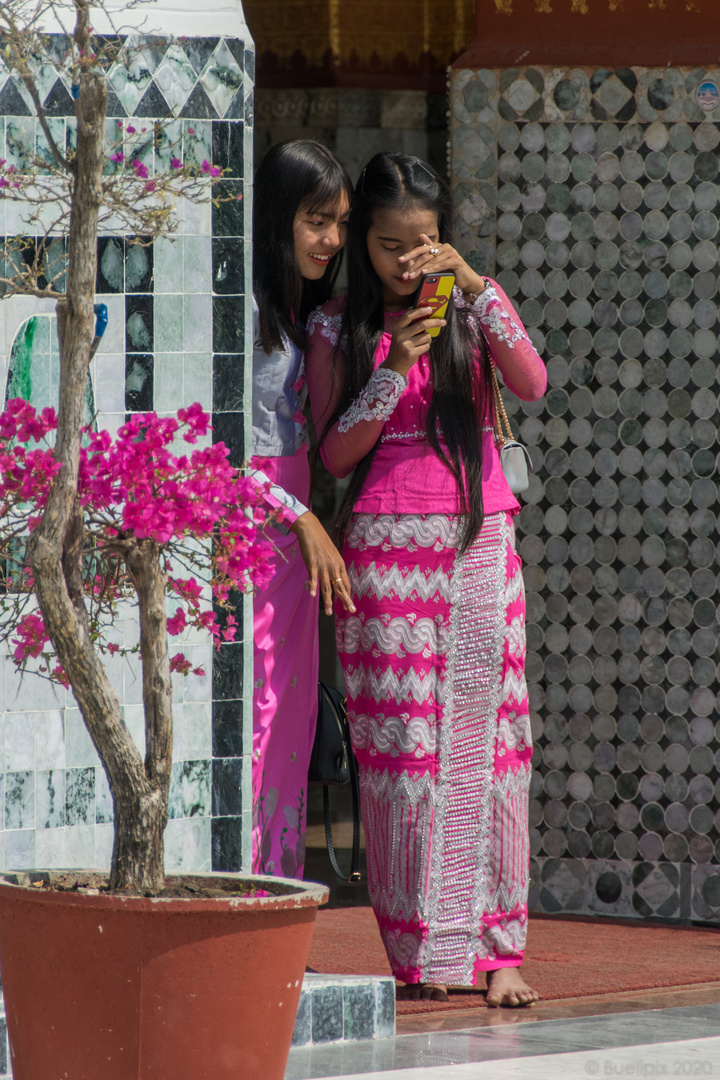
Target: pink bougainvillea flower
pixel 213 170
pixel 179 664
pixel 131 130
pixel 135 484
pixel 140 170
pixel 59 675
pixel 31 639
pixel 176 163
pixel 118 157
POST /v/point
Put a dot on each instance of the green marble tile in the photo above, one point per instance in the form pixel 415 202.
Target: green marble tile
pixel 197 142
pixel 20 141
pixel 56 125
pixel 169 145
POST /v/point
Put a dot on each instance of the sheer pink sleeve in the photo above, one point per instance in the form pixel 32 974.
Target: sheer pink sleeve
pixel 512 350
pixel 355 433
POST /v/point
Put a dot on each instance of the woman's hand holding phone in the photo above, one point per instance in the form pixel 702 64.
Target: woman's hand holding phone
pixel 410 339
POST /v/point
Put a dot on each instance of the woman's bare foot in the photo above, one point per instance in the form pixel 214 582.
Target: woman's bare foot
pixel 421 992
pixel 506 986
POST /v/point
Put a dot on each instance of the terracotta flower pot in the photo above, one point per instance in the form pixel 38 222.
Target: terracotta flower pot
pixel 125 988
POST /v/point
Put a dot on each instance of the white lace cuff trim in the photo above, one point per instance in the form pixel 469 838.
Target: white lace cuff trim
pixel 491 313
pixel 377 401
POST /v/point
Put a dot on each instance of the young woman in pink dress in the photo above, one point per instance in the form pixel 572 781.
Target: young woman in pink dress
pixel 302 197
pixel 434 655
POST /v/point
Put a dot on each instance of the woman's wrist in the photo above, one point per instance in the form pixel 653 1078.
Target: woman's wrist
pixel 472 292
pixel 400 366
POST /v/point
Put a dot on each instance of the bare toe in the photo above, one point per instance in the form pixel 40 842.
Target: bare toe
pixel 420 992
pixel 507 987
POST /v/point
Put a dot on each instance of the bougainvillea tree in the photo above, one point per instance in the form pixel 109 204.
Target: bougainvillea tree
pixel 89 520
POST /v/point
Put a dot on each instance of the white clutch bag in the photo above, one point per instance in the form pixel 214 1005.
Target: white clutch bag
pixel 514 458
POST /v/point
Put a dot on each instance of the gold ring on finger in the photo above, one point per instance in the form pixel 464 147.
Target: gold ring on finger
pixel 335 580
pixel 434 251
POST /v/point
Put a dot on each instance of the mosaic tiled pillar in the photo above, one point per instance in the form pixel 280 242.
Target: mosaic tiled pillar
pixel 591 195
pixel 179 331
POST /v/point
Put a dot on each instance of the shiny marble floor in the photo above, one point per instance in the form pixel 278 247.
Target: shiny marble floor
pixel 592 1038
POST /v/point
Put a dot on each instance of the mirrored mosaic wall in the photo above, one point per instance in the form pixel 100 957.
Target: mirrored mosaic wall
pixel 592 197
pixel 179 323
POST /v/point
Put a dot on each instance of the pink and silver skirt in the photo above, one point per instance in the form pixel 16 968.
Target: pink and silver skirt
pixel 434 666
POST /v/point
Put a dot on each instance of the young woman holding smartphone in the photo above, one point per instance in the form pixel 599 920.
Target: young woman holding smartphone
pixel 434 655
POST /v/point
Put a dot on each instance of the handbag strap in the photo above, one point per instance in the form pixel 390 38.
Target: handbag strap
pixel 355 856
pixel 500 416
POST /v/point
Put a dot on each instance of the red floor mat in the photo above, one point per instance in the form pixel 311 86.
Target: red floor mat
pixel 565 958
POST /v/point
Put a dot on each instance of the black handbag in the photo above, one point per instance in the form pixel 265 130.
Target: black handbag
pixel 332 762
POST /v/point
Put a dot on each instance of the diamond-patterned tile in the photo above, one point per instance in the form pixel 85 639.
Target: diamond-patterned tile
pixel 222 78
pixel 176 78
pixel 130 81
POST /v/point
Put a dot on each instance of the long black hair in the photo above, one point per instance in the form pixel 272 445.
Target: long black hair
pixel 460 387
pixel 295 175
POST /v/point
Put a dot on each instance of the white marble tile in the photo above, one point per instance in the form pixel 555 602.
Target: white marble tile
pixel 46 694
pixel 109 384
pixel 80 846
pixel 19 741
pixel 178 740
pixel 135 722
pixel 18 690
pixel 19 849
pixel 103 846
pixel 49 740
pixel 50 849
pixel 198 322
pixel 197 730
pixel 79 750
pixel 174 846
pixel 697 1057
pixel 168 380
pixel 168 262
pixel 199 687
pixel 198 264
pixel 133 681
pixel 197 379
pixel 196 845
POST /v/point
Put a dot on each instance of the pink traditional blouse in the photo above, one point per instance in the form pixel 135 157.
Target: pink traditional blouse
pixel 406 475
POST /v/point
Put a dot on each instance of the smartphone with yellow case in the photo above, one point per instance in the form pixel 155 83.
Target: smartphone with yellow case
pixel 434 291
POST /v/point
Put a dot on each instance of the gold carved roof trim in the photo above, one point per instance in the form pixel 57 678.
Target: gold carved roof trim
pixel 361 30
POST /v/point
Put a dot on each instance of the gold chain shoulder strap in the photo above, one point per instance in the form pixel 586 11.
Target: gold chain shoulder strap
pixel 501 419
